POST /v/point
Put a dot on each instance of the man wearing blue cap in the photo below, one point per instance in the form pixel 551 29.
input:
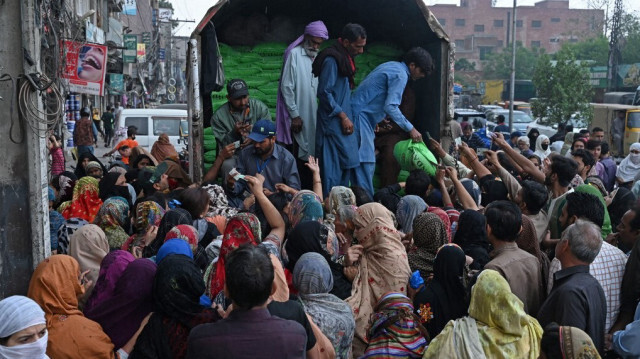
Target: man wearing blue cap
pixel 273 161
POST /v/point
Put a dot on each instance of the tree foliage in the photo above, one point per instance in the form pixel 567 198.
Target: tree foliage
pixel 630 42
pixel 563 88
pixel 595 49
pixel 465 65
pixel 498 64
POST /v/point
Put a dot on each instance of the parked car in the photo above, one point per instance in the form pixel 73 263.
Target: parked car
pixel 520 119
pixel 546 128
pixel 485 108
pixel 475 118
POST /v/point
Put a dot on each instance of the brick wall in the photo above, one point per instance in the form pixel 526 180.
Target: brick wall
pixel 477 28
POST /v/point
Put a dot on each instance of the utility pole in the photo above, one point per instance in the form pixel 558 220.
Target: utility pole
pixel 23 184
pixel 513 66
pixel 614 47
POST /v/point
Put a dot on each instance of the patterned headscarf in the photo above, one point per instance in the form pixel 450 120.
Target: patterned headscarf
pixel 171 219
pixel 242 228
pixel 86 200
pixel 340 196
pixel 305 206
pixel 111 218
pixel 429 234
pixel 218 202
pixel 185 232
pixel 576 344
pixel 148 213
pixel 66 183
pixel 68 228
pixel 444 217
pixel 383 266
pixel 313 278
pixel 395 329
pixel 409 208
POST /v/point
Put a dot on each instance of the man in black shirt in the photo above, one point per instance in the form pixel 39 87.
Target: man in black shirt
pixel 577 299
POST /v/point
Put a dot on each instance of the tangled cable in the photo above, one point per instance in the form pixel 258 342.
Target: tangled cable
pixel 29 94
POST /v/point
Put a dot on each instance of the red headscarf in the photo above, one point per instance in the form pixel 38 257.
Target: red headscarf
pixel 242 228
pixel 86 200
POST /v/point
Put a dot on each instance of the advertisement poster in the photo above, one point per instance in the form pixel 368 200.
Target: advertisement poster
pixel 129 7
pixel 141 53
pixel 116 82
pixel 85 67
pixel 131 46
pixel 164 15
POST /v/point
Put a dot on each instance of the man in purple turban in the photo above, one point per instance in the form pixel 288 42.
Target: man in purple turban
pixel 297 105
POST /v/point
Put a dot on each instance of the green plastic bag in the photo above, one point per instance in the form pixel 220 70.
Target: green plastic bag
pixel 209 144
pixel 402 176
pixel 210 156
pixel 415 155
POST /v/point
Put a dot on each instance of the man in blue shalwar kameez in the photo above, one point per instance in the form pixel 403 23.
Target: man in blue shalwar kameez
pixel 378 97
pixel 336 142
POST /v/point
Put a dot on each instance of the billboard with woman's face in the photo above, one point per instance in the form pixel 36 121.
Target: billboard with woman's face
pixel 85 68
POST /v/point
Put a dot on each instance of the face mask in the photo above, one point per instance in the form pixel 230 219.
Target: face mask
pixel 634 158
pixel 544 146
pixel 36 349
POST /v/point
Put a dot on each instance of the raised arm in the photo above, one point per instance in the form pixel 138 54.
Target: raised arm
pixel 526 165
pixel 271 213
pixel 465 198
pixel 477 167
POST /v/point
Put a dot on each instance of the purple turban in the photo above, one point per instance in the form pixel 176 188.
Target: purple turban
pixel 283 132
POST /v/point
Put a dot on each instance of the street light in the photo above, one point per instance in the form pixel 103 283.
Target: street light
pixel 513 67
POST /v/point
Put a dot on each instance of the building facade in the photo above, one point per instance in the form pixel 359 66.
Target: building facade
pixel 478 28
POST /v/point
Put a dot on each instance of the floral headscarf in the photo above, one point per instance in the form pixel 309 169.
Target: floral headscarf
pixel 111 218
pixel 305 206
pixel 86 200
pixel 185 232
pixel 242 228
pixel 148 213
pixel 340 196
pixel 218 202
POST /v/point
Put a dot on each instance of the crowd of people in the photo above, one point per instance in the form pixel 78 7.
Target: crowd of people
pixel 279 253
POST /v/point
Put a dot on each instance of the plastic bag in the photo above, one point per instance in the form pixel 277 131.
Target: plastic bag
pixel 415 155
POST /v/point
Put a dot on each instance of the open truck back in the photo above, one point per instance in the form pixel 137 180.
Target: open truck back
pixel 402 23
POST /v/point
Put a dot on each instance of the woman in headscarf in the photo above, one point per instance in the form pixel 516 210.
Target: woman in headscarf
pixel 591 189
pixel 173 246
pixel 177 288
pixel 23 330
pixel 471 236
pixel 395 330
pixel 623 200
pixel 66 231
pixel 83 161
pixel 141 158
pixel 89 246
pixel 305 206
pixel 196 201
pixel 533 136
pixel 146 221
pixel 86 200
pixel 163 149
pixel 313 278
pixel 218 202
pixel 55 286
pixel 178 178
pixel 568 142
pixel 111 269
pixel 383 266
pixel 629 167
pixel 114 184
pixel 340 196
pixel 444 217
pixel 113 218
pixel 527 240
pixel 132 300
pixel 409 208
pixel 444 298
pixel 171 219
pixel 566 343
pixel 189 234
pixel 542 147
pixel 315 237
pixel 429 234
pixel 64 184
pixel 496 328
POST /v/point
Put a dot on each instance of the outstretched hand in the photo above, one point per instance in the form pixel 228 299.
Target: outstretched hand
pixel 313 165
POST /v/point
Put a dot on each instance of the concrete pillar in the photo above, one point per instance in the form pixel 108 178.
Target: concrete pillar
pixel 23 185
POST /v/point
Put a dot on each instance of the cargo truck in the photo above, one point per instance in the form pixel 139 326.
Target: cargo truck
pixel 401 24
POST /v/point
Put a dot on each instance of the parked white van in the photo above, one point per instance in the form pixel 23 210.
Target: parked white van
pixel 153 122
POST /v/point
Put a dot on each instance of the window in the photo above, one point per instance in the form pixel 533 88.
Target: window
pixel 478 28
pixel 555 19
pixel 484 51
pixel 518 23
pixel 168 125
pixel 535 43
pixel 554 39
pixel 536 23
pixel 573 40
pixel 460 22
pixel 498 23
pixel 442 21
pixel 142 123
pixel 460 44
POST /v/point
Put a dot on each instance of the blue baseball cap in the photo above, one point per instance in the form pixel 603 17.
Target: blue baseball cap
pixel 262 129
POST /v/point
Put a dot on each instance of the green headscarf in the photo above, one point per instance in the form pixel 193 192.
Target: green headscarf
pixel 591 189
